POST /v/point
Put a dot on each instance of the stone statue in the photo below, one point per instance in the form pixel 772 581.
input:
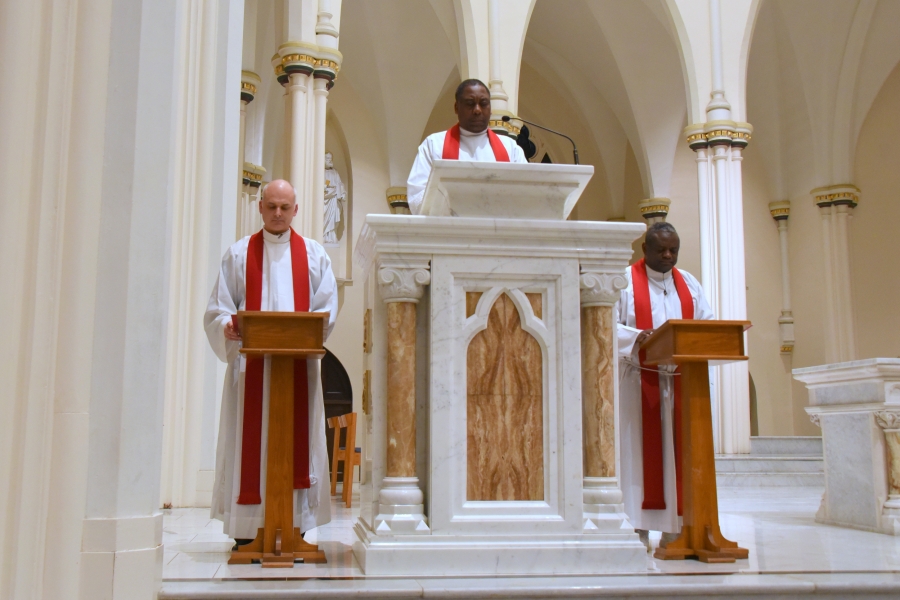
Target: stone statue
pixel 335 194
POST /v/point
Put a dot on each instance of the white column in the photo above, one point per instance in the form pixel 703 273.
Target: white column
pixel 709 256
pixel 249 83
pixel 499 97
pixel 780 211
pixel 299 98
pixel 312 70
pixel 320 97
pixel 836 204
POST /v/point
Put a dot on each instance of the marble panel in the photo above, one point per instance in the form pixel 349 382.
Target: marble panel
pixel 504 409
pixel 598 391
pixel 401 389
pixel 554 286
pixel 850 477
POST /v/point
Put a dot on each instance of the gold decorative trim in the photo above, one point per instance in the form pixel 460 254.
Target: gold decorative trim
pixel 367 331
pixel 252 176
pixel 505 125
pixel 247 86
pixel 279 70
pixel 328 63
pixel 832 198
pixel 367 392
pixel 298 58
pixel 396 198
pixel 655 208
pixel 781 212
pixel 787 349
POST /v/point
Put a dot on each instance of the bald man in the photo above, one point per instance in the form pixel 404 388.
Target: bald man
pixel 274 269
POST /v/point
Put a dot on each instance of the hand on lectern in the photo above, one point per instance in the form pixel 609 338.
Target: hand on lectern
pixel 642 336
pixel 231 334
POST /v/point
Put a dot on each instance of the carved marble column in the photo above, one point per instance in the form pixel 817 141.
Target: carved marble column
pixel 889 421
pixel 396 199
pixel 401 502
pixel 603 507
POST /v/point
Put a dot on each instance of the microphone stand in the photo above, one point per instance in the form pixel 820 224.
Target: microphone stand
pixel 507 119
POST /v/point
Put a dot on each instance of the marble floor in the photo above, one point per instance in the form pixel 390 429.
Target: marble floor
pixel 790 554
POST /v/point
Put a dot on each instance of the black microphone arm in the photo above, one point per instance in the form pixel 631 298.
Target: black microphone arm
pixel 507 119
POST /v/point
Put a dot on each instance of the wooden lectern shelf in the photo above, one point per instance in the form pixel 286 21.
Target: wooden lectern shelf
pixel 284 336
pixel 691 345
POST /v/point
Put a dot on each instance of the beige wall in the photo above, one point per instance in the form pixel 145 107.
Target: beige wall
pixel 876 284
pixel 770 371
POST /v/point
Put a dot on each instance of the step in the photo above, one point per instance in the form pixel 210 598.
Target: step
pixel 745 463
pixel 756 480
pixel 786 445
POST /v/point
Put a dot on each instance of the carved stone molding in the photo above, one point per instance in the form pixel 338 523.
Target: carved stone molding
pixel 403 284
pixel 814 417
pixel 888 419
pixel 601 288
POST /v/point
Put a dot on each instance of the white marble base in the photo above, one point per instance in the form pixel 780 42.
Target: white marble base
pixel 844 398
pixel 473 555
pixel 790 555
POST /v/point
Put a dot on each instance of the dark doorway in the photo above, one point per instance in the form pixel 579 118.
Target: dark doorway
pixel 338 395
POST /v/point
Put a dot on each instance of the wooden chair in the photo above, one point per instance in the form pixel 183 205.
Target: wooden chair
pixel 349 454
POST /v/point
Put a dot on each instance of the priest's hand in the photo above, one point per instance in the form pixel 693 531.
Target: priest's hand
pixel 642 337
pixel 231 334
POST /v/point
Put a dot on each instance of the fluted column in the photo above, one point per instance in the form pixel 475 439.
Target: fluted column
pixel 655 210
pixel 401 502
pixel 889 421
pixel 836 204
pixel 603 507
pixel 309 72
pixel 780 211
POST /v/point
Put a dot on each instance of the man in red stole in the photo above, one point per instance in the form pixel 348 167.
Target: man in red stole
pixel 649 397
pixel 274 269
pixel 470 139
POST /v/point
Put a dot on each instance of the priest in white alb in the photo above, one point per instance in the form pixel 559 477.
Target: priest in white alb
pixel 650 396
pixel 274 269
pixel 470 139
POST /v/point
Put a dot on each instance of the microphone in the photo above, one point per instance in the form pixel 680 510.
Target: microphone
pixel 507 118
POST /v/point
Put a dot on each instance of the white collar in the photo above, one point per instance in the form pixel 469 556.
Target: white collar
pixel 465 133
pixel 277 238
pixel 656 275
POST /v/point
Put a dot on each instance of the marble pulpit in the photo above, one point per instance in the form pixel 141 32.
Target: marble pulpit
pixel 490 383
pixel 857 405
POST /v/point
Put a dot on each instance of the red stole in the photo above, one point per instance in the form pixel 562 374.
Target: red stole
pixel 451 145
pixel 251 436
pixel 651 418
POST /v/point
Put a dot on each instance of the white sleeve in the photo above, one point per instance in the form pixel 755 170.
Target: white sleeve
pixel 518 155
pixel 702 310
pixel 323 292
pixel 224 301
pixel 418 177
pixel 626 335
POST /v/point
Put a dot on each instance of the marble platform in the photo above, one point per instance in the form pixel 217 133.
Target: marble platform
pixel 790 555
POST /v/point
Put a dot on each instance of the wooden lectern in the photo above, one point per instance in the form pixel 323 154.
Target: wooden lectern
pixel 691 345
pixel 284 336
